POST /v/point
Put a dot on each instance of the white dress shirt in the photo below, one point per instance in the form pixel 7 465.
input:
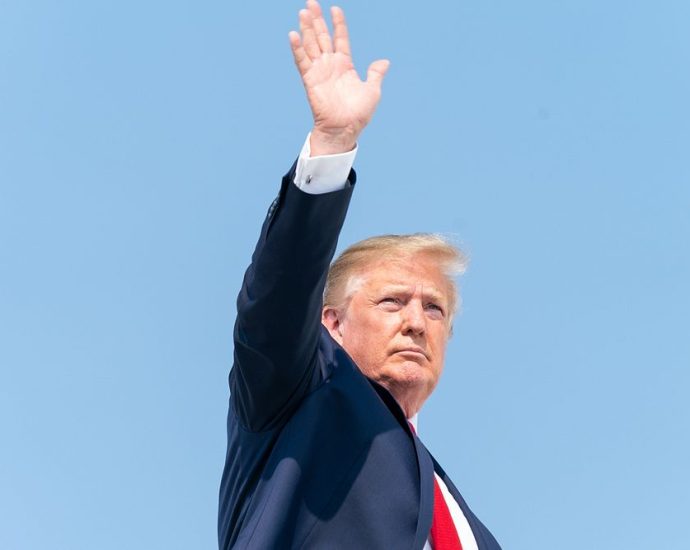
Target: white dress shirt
pixel 327 173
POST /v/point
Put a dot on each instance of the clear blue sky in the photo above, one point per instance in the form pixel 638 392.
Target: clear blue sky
pixel 140 145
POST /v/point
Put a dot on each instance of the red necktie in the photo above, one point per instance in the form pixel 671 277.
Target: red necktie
pixel 443 535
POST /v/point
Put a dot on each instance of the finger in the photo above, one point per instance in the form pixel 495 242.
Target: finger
pixel 322 35
pixel 306 26
pixel 301 58
pixel 377 70
pixel 340 36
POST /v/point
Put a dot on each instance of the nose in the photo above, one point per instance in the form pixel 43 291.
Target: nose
pixel 414 320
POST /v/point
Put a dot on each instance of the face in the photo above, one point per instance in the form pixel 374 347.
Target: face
pixel 396 326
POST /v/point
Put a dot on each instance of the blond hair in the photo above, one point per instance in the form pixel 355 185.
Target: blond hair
pixel 352 263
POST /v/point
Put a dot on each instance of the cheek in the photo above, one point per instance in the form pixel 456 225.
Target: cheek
pixel 361 327
pixel 358 338
pixel 440 353
pixel 364 340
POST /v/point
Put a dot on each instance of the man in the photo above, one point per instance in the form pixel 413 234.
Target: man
pixel 331 368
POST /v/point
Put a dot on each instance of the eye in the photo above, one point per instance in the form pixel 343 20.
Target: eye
pixel 435 308
pixel 390 303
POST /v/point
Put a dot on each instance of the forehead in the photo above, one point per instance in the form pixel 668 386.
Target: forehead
pixel 405 273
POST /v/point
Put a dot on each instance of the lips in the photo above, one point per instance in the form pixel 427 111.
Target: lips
pixel 412 351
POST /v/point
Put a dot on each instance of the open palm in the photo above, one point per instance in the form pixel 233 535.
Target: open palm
pixel 342 104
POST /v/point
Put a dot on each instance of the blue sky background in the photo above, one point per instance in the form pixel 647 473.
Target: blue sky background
pixel 140 145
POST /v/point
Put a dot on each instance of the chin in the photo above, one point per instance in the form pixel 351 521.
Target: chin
pixel 408 379
pixel 411 372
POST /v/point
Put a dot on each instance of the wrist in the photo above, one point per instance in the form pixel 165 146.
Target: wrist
pixel 331 143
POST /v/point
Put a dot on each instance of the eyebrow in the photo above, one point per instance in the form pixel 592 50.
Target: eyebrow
pixel 427 291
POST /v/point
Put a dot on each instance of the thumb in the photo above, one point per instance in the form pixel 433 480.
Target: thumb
pixel 377 70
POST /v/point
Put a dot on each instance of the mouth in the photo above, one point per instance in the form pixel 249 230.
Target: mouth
pixel 413 352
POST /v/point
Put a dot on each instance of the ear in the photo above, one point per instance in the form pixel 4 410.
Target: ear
pixel 330 318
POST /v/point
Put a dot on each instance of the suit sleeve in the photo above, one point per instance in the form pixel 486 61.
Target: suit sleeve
pixel 279 305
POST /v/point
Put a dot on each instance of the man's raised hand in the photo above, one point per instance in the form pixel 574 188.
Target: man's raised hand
pixel 341 103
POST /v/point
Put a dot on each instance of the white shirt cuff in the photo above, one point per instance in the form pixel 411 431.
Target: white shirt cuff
pixel 324 173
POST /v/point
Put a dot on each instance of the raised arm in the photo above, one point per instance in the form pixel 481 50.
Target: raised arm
pixel 279 306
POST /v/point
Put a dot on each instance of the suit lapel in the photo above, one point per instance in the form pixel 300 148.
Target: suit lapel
pixel 426 469
pixel 485 541
pixel 427 466
pixel 426 500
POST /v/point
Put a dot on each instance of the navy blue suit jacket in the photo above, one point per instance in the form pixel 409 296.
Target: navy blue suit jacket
pixel 318 455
